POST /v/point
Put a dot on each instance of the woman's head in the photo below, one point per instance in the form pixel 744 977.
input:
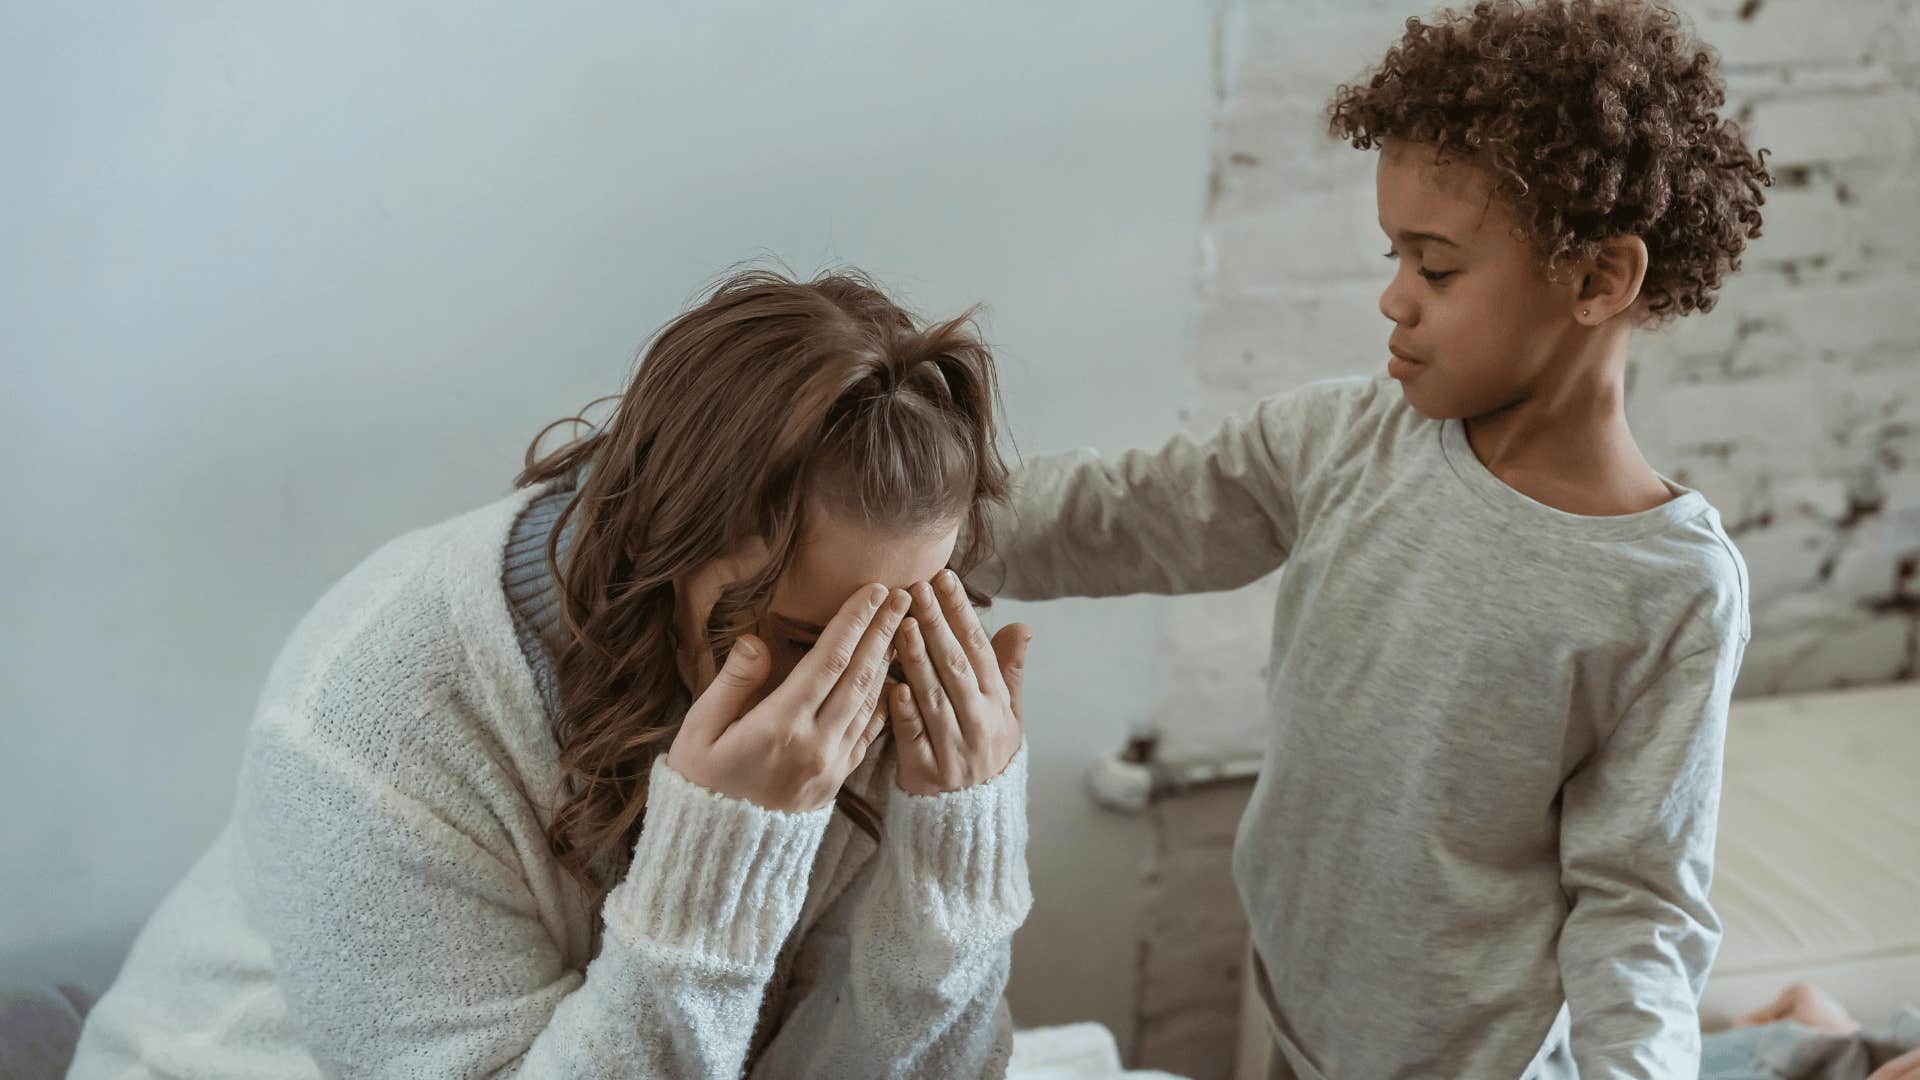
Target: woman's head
pixel 1579 141
pixel 782 444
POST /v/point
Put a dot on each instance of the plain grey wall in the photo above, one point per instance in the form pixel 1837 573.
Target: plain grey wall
pixel 278 282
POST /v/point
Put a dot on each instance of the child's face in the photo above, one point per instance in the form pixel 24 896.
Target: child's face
pixel 1476 321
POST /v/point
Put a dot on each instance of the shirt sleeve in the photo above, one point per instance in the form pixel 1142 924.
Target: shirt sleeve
pixel 1193 515
pixel 1636 848
pixel 407 940
pixel 915 988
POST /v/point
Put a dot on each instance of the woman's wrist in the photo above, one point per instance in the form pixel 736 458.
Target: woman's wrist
pixel 963 854
pixel 715 874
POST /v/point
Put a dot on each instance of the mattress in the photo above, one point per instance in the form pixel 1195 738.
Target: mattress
pixel 1817 875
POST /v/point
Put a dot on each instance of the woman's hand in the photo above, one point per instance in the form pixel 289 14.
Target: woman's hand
pixel 957 720
pixel 794 749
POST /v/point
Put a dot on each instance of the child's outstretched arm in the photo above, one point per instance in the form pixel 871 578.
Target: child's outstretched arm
pixel 1636 850
pixel 1194 515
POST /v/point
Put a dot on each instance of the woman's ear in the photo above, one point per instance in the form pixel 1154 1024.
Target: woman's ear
pixel 1611 282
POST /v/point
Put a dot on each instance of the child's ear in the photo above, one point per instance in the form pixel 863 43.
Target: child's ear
pixel 1611 282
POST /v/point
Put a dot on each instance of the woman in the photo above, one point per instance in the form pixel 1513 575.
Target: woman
pixel 590 782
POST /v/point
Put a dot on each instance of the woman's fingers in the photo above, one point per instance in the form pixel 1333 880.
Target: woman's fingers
pixel 1010 654
pixel 948 659
pixel 847 709
pixel 818 672
pixel 964 622
pixel 933 703
pixel 876 723
pixel 726 698
pixel 910 742
pixel 903 713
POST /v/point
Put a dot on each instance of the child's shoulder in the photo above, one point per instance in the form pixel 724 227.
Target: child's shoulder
pixel 1338 419
pixel 1348 394
pixel 1702 570
pixel 1333 407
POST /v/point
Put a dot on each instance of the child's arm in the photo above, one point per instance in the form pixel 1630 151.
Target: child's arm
pixel 1190 516
pixel 1636 851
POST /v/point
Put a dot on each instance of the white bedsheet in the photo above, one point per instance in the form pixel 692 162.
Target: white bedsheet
pixel 1084 1051
pixel 1818 867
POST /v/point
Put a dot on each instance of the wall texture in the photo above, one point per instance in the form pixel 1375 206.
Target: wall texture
pixel 1794 405
pixel 279 282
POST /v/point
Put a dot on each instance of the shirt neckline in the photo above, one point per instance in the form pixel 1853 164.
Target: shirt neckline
pixel 1490 489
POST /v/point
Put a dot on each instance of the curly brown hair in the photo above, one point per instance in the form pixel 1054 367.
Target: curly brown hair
pixel 1597 118
pixel 769 400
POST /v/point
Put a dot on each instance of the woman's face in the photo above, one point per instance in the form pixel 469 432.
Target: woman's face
pixel 834 560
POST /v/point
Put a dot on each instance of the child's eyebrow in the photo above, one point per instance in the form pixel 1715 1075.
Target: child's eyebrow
pixel 1409 235
pixel 1434 236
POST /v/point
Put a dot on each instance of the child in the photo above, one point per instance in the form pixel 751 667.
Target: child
pixel 1482 838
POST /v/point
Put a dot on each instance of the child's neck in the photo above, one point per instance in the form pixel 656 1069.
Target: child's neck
pixel 1565 442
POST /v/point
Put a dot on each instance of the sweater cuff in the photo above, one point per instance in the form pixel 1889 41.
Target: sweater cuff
pixel 715 875
pixel 962 855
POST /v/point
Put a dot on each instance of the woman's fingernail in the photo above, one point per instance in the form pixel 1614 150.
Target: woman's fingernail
pixel 949 580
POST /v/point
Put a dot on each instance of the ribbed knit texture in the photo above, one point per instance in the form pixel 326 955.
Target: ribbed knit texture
pixel 533 596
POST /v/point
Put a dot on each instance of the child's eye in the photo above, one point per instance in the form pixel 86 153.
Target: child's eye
pixel 1435 276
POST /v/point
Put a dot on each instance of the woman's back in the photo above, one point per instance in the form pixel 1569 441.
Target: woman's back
pixel 401 685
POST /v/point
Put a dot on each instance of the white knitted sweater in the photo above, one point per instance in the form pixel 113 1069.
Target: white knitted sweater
pixel 383 901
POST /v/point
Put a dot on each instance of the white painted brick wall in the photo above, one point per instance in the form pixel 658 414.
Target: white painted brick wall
pixel 1794 405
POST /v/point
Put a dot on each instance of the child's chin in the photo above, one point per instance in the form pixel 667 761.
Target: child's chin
pixel 1421 395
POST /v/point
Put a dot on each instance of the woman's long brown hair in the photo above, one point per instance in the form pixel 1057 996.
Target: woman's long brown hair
pixel 769 400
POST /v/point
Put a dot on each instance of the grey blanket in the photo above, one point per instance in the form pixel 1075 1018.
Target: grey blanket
pixel 1790 1051
pixel 38 1030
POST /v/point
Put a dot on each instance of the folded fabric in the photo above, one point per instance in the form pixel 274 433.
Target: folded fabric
pixel 1794 1050
pixel 38 1029
pixel 1084 1051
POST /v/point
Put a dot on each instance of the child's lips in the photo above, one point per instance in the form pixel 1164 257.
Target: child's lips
pixel 1401 365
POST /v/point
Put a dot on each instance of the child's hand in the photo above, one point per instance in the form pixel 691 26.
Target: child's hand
pixel 793 750
pixel 957 721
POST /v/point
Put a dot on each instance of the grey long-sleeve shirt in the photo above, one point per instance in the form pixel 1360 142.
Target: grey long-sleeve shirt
pixel 1493 762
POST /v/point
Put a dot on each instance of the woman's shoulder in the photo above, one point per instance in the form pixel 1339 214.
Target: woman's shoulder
pixel 410 659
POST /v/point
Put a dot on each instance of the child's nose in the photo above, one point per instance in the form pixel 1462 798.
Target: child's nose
pixel 1397 304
